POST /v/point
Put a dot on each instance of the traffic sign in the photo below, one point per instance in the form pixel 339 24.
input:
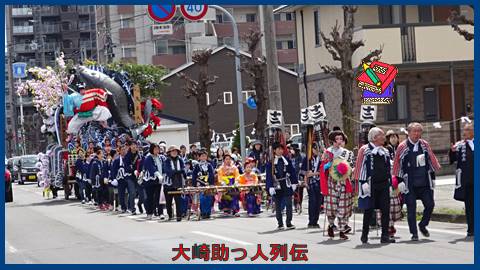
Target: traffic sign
pixel 251 103
pixel 194 12
pixel 19 70
pixel 162 13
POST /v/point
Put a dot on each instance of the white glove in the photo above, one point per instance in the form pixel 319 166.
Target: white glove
pixel 136 173
pixel 114 182
pixel 89 181
pixel 294 187
pixel 158 175
pixel 402 187
pixel 105 181
pixel 271 191
pixel 366 188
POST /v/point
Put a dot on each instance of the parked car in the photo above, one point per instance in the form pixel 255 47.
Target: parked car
pixel 27 169
pixel 8 187
pixel 12 166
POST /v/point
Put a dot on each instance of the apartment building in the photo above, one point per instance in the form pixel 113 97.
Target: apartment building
pixel 36 34
pixel 433 62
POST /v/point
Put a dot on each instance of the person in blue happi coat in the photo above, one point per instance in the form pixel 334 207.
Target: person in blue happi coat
pixel 99 176
pixel 204 175
pixel 312 182
pixel 281 182
pixel 120 173
pixel 151 178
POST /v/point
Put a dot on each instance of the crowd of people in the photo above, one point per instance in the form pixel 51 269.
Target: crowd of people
pixel 384 175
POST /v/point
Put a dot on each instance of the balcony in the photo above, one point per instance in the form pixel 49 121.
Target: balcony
pixel 414 43
pixel 50 28
pixel 23 48
pixel 28 29
pixel 84 26
pixel 87 44
pixel 285 28
pixel 49 11
pixel 83 10
pixel 170 61
pixel 226 30
pixel 21 12
pixel 287 56
pixel 51 46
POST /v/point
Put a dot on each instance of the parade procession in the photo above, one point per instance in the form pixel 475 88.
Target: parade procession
pixel 174 131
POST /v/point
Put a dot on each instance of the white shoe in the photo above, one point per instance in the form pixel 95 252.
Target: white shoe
pixel 162 217
pixel 149 217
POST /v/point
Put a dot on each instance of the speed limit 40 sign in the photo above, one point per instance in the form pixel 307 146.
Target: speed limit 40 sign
pixel 194 12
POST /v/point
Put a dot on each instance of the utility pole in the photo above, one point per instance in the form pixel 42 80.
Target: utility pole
pixel 273 77
pixel 108 39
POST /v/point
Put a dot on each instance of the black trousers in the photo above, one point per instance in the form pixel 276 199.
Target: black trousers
pixel 150 190
pixel 381 200
pixel 281 201
pixel 469 203
pixel 178 203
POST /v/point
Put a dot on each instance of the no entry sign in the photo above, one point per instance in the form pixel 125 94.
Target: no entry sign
pixel 194 12
pixel 162 13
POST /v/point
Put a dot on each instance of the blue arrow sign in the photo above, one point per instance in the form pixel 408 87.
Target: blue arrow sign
pixel 251 103
pixel 19 70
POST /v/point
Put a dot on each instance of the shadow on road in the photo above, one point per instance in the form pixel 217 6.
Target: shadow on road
pixel 421 241
pixel 47 202
pixel 331 241
pixel 464 239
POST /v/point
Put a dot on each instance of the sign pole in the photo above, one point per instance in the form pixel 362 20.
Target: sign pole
pixel 22 120
pixel 238 76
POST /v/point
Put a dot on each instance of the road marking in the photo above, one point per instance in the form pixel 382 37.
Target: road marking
pixel 223 238
pixel 11 249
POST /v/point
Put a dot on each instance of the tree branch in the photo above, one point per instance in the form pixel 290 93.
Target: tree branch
pixel 219 97
pixel 373 55
pixel 455 19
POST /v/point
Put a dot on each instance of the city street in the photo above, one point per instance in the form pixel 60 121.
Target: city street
pixel 59 231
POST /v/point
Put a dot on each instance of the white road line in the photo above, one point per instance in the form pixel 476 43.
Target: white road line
pixel 223 238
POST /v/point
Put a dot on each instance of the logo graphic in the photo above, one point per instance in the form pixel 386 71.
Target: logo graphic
pixel 377 83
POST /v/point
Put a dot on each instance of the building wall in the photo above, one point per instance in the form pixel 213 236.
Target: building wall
pixel 224 117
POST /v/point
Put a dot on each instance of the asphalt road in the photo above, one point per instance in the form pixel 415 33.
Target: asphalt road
pixel 40 231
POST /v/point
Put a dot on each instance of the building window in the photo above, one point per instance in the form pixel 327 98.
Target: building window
pixel 385 14
pixel 66 26
pixel 251 17
pixel 227 98
pixel 247 94
pixel 178 50
pixel 425 13
pixel 290 16
pixel 290 44
pixel 431 104
pixel 277 17
pixel 219 18
pixel 294 129
pixel 397 110
pixel 161 46
pixel 129 52
pixel 279 45
pixel 316 24
pixel 67 44
pixel 126 22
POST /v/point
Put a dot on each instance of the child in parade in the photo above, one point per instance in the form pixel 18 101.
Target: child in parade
pixel 175 179
pixel 227 173
pixel 251 200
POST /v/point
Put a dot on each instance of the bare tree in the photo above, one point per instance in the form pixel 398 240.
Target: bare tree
pixel 198 89
pixel 455 19
pixel 255 67
pixel 342 46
